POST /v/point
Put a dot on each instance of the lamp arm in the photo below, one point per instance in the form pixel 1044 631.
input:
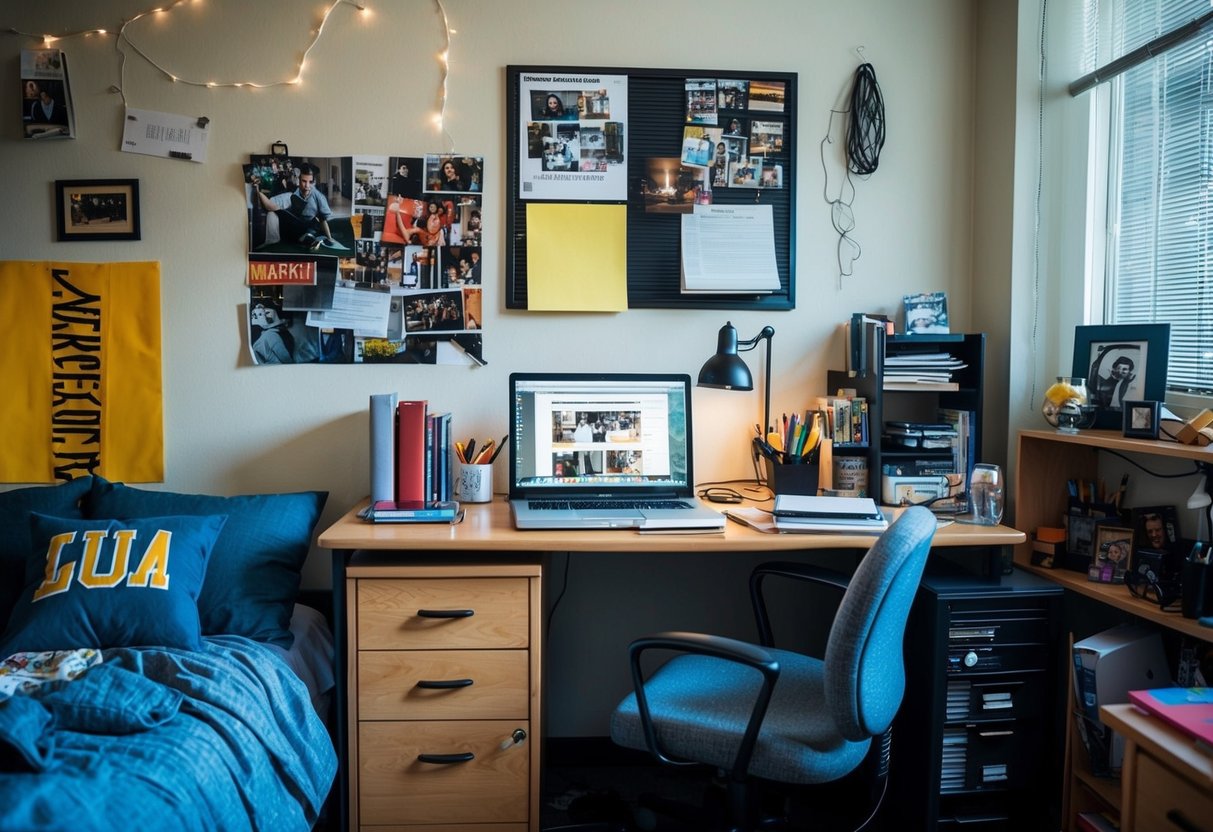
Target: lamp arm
pixel 768 333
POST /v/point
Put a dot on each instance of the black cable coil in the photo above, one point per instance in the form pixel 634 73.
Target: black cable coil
pixel 865 138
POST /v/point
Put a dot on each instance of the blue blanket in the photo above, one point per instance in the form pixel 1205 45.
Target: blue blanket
pixel 245 750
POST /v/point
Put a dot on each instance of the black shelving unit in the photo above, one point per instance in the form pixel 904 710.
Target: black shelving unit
pixel 918 405
pixel 976 745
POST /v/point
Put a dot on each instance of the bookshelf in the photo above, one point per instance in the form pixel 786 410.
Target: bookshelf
pixel 915 402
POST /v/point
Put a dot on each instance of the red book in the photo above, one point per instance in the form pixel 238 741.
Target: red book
pixel 1188 709
pixel 410 452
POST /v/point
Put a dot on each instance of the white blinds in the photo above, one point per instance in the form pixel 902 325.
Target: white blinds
pixel 1161 206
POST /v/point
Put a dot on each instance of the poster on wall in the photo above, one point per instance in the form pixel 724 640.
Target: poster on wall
pixel 365 259
pixel 46 95
pixel 573 142
pixel 83 341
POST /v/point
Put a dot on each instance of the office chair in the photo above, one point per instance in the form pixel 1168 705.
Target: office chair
pixel 758 713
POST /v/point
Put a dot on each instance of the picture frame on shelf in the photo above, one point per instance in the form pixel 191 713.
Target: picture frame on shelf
pixel 1110 557
pixel 97 209
pixel 1121 363
pixel 1140 419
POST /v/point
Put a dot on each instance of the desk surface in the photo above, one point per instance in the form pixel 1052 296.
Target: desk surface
pixel 488 527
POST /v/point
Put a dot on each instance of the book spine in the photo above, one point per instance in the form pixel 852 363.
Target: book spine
pixel 431 492
pixel 410 451
pixel 383 446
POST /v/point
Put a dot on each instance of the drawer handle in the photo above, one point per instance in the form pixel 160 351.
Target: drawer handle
pixel 445 613
pixel 443 684
pixel 1177 817
pixel 446 759
pixel 995 733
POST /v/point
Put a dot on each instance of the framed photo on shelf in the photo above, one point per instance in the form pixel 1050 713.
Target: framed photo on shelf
pixel 1112 547
pixel 1121 363
pixel 97 209
pixel 1141 420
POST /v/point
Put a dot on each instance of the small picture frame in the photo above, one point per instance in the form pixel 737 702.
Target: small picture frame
pixel 1141 419
pixel 97 209
pixel 1113 546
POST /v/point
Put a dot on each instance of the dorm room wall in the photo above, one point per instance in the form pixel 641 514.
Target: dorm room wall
pixel 371 85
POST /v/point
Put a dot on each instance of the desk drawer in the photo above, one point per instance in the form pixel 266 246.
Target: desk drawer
pixel 1161 792
pixel 442 613
pixel 388 684
pixel 394 787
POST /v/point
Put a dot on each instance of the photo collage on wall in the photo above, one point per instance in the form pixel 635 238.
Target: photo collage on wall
pixel 365 259
pixel 733 138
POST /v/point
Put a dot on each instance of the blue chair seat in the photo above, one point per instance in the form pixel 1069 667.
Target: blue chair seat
pixel 701 706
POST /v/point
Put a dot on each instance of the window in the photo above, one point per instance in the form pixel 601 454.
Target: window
pixel 1159 263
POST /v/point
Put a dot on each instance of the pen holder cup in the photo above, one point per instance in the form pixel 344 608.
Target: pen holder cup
pixel 473 483
pixel 791 479
pixel 1196 599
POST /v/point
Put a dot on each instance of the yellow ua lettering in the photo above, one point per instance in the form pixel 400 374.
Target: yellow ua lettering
pixel 58 578
pixel 89 576
pixel 153 568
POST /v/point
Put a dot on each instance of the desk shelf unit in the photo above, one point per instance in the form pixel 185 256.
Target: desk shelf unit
pixel 1046 460
pixel 914 403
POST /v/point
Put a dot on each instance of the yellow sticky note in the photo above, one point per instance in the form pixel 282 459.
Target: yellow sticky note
pixel 577 257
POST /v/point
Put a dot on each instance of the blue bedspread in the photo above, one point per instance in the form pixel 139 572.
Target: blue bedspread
pixel 244 751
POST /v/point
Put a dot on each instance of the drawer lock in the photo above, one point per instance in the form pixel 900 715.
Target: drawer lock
pixel 518 736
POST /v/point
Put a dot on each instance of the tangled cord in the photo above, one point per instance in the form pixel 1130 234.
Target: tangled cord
pixel 865 138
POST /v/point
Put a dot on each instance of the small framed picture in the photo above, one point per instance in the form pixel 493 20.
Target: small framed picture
pixel 1113 545
pixel 1121 363
pixel 1141 419
pixel 97 209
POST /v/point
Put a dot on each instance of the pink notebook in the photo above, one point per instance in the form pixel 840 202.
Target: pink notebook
pixel 1188 709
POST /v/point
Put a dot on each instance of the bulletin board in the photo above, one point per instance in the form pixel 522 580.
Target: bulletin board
pixel 660 105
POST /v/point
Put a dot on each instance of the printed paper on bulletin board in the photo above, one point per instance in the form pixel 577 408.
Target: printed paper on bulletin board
pixel 80 356
pixel 577 257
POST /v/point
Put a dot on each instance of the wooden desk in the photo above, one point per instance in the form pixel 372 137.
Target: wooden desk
pixel 1164 773
pixel 383 573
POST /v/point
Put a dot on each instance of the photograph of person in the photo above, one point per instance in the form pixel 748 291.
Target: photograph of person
pixel 453 174
pixel 698 148
pixel 48 106
pixel 277 336
pixel 554 105
pixel 1156 530
pixel 1116 373
pixel 597 104
pixel 743 173
pixel 1112 547
pixel 701 100
pixel 732 94
pixel 434 312
pixel 294 210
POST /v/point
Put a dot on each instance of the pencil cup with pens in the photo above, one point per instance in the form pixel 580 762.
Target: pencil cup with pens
pixel 474 470
pixel 792 457
pixel 1196 600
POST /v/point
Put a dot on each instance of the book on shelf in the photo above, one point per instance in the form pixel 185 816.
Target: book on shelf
pixel 410 451
pixel 846 417
pixel 864 337
pixel 383 446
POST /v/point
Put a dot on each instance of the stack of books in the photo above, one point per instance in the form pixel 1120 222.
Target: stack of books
pixel 845 515
pixel 921 371
pixel 411 471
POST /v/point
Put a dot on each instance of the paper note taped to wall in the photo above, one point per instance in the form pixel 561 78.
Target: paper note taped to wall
pixel 577 257
pixel 165 134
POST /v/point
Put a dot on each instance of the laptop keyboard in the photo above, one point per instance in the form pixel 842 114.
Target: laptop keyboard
pixel 594 505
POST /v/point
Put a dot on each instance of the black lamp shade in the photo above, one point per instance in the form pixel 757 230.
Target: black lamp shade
pixel 725 369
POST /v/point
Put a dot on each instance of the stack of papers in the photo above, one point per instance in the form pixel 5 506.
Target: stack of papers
pixel 920 368
pixel 828 514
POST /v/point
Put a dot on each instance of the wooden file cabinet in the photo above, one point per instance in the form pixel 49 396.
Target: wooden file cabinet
pixel 443 691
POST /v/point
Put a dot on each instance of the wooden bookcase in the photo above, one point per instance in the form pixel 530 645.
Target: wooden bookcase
pixel 1046 460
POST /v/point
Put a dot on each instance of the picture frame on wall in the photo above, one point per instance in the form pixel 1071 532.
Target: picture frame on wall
pixel 1141 420
pixel 97 209
pixel 1121 363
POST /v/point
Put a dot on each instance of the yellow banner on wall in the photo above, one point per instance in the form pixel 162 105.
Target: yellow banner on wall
pixel 80 372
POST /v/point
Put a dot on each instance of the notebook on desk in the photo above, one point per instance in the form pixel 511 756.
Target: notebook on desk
pixel 603 451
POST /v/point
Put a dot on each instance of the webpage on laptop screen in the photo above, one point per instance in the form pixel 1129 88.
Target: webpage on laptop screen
pixel 591 435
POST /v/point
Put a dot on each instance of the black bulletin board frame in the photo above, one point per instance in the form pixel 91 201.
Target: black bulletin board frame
pixel 656 116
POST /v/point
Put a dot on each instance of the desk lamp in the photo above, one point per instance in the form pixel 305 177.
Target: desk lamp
pixel 725 370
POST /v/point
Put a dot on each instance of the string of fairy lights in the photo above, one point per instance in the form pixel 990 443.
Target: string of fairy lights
pixel 123 40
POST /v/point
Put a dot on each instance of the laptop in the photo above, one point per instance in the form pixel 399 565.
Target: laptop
pixel 604 451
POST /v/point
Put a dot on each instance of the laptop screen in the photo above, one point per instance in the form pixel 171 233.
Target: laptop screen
pixel 605 434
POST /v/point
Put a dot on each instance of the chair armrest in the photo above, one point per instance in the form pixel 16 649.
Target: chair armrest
pixel 720 647
pixel 787 569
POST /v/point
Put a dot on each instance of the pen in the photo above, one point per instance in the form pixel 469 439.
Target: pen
pixel 485 453
pixel 500 447
pixel 471 451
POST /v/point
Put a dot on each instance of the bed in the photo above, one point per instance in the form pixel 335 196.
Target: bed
pixel 155 670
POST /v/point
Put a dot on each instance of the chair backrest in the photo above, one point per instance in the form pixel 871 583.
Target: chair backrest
pixel 864 664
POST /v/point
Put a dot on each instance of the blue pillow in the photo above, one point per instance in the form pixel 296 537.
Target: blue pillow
pixel 112 583
pixel 60 500
pixel 254 572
